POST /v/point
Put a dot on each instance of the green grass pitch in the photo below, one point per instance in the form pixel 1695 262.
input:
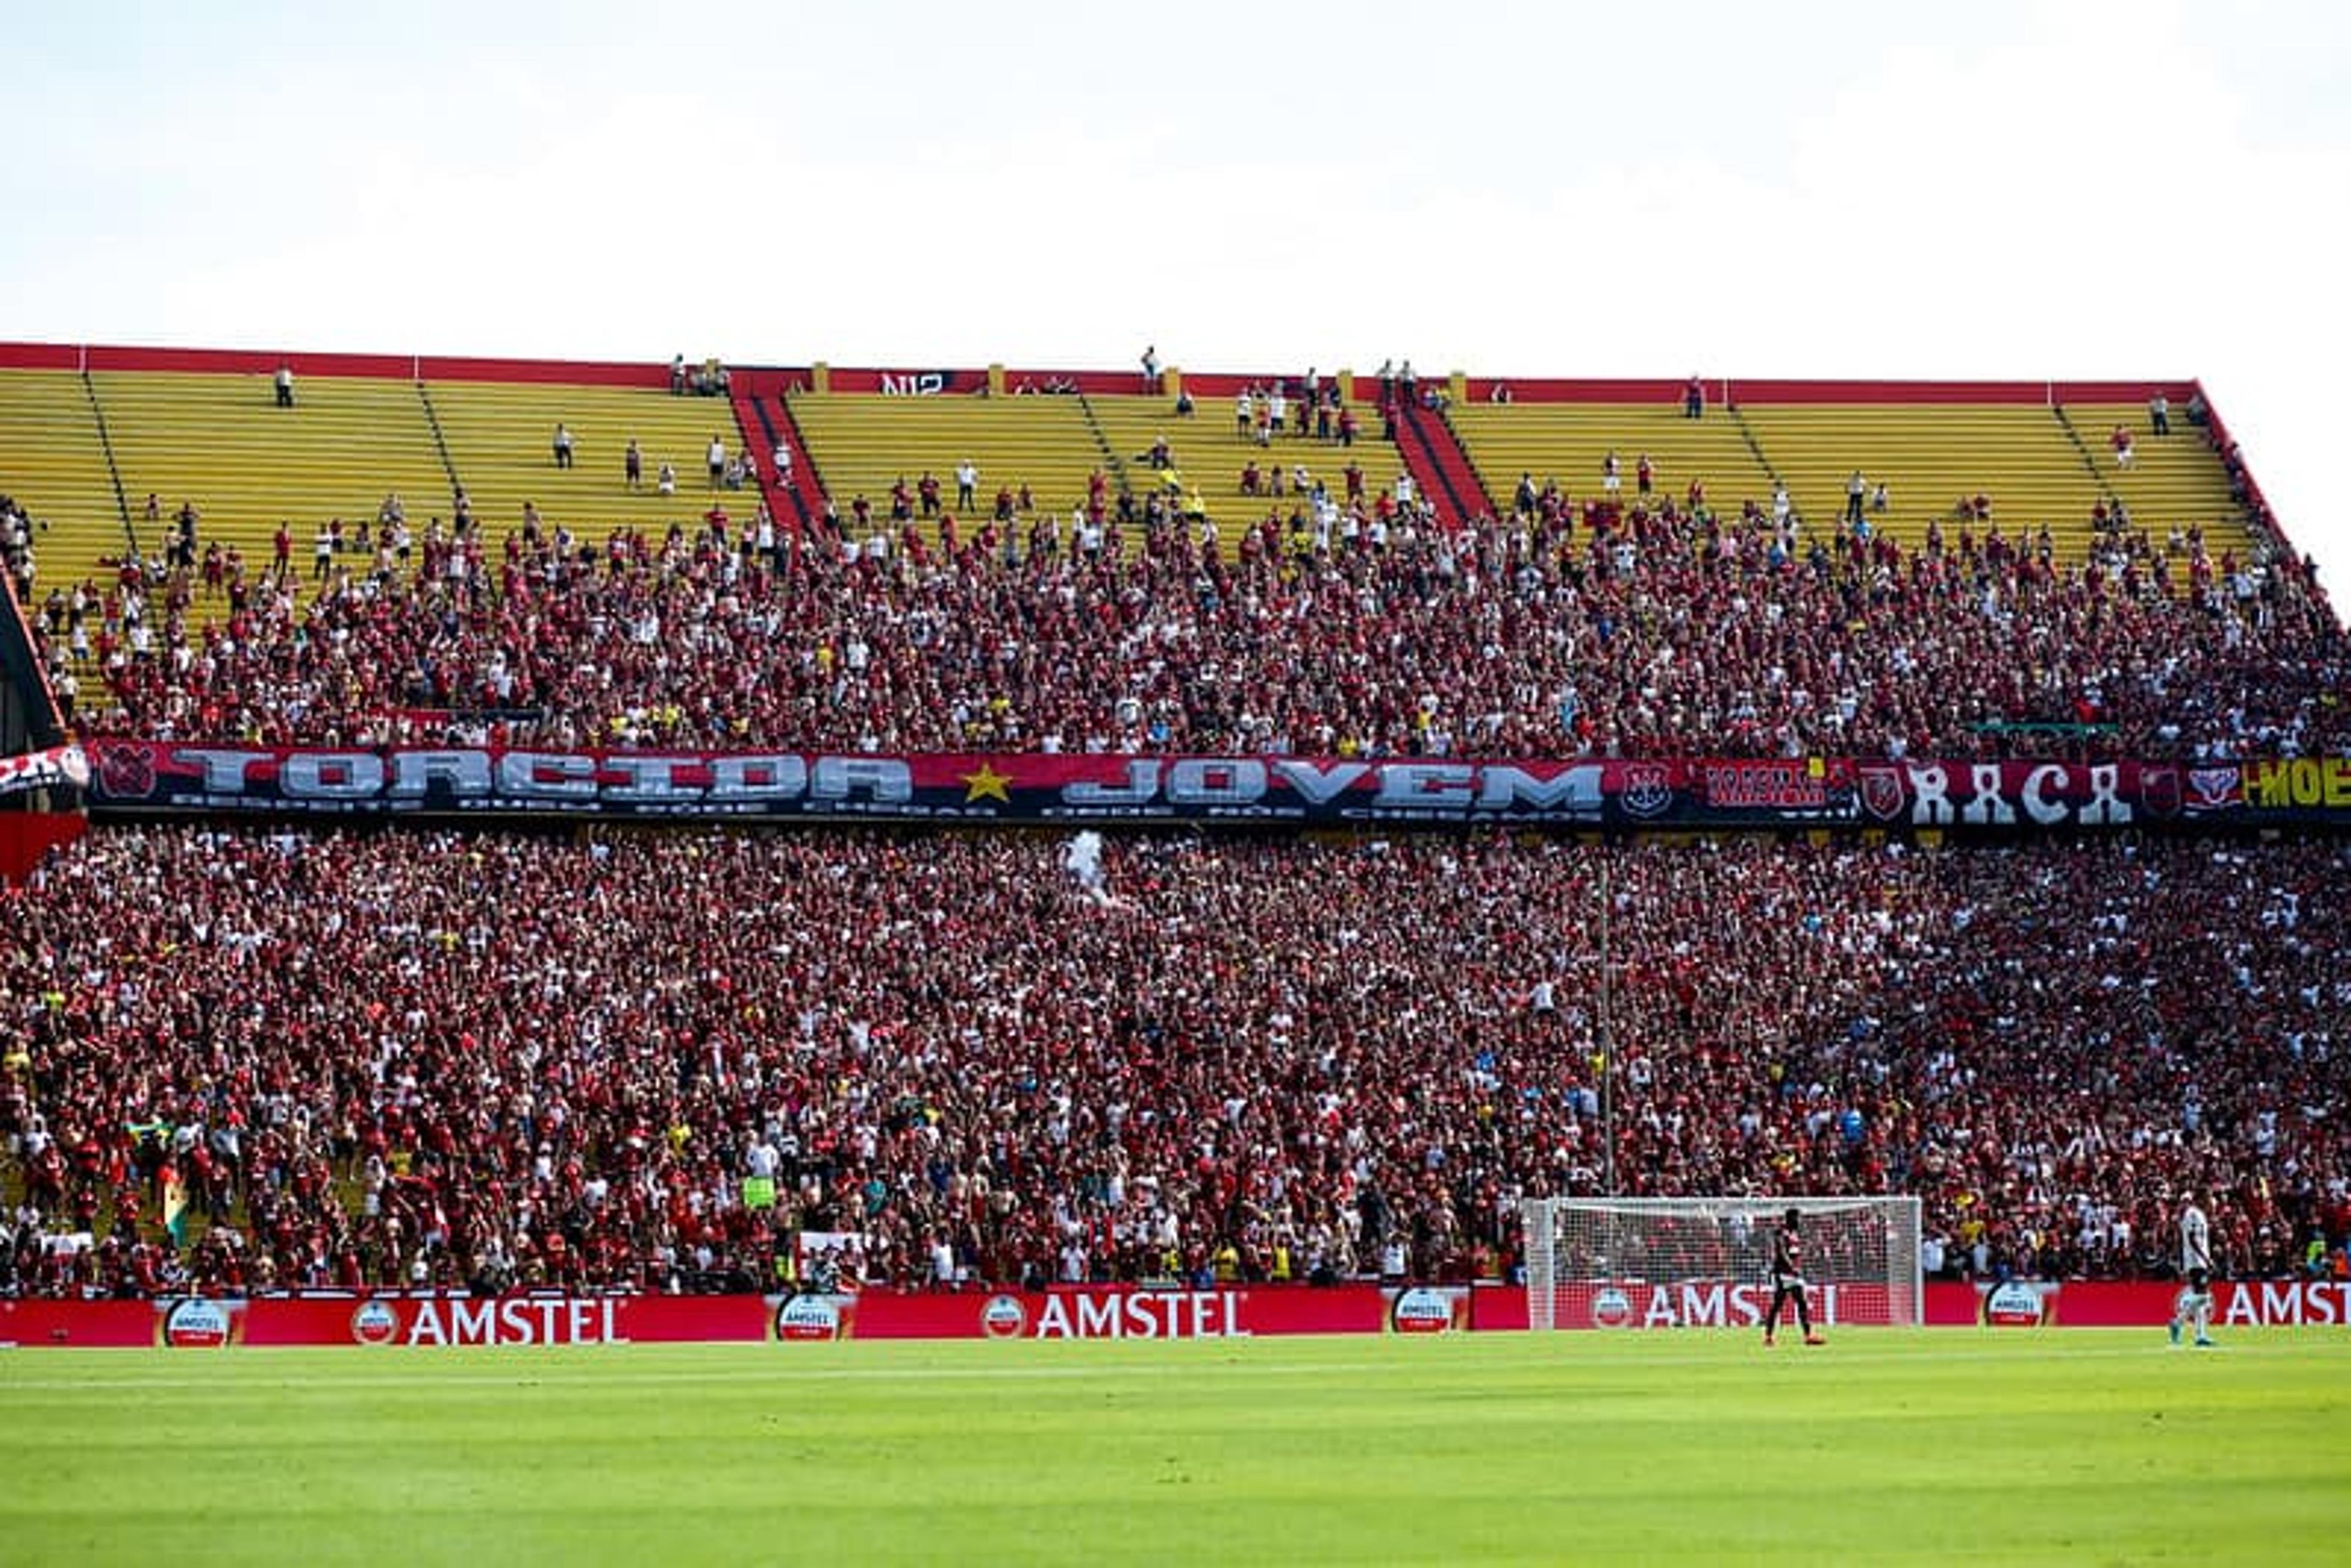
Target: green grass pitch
pixel 2075 1447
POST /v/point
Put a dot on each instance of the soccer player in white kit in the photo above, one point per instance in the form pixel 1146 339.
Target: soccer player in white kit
pixel 2194 1305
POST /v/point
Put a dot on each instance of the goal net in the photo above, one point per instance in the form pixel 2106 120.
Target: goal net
pixel 1693 1262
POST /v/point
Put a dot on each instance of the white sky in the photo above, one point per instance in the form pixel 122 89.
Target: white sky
pixel 2002 189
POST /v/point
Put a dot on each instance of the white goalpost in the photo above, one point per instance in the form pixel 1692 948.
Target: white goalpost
pixel 1656 1262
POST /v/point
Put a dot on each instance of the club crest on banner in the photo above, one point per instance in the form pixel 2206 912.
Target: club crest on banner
pixel 2212 788
pixel 1647 789
pixel 1881 790
pixel 126 772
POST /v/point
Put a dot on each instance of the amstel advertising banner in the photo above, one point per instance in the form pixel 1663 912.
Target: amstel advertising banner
pixel 1686 1304
pixel 1113 1312
pixel 192 1322
pixel 393 1322
pixel 2076 1303
pixel 133 776
pixel 2236 1303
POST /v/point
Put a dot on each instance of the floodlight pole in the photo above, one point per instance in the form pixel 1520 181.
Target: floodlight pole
pixel 1607 1048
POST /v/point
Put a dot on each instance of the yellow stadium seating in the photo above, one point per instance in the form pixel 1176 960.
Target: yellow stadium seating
pixel 1931 457
pixel 2173 481
pixel 864 442
pixel 501 434
pixel 220 443
pixel 55 467
pixel 1210 454
pixel 1565 442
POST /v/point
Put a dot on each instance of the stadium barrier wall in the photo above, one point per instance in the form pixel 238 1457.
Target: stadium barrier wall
pixel 98 357
pixel 1209 386
pixel 145 777
pixel 1085 1313
pixel 27 837
pixel 1762 391
pixel 2246 1303
pixel 934 380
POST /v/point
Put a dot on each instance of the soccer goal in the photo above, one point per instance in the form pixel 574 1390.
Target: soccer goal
pixel 1660 1262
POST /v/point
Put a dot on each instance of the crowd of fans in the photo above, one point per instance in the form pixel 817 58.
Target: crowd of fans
pixel 16 556
pixel 493 1059
pixel 1336 624
pixel 246 1060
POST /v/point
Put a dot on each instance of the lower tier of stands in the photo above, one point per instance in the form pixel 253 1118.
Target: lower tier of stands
pixel 257 1058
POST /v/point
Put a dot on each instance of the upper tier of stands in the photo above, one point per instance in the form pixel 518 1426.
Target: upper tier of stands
pixel 1538 636
pixel 1931 460
pixel 2176 479
pixel 1565 444
pixel 214 439
pixel 1211 455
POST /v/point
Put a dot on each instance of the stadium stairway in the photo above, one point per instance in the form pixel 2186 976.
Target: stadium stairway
pixel 1441 467
pixel 798 502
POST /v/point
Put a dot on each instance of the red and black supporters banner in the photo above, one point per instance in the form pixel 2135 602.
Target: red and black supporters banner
pixel 1052 789
pixel 43 770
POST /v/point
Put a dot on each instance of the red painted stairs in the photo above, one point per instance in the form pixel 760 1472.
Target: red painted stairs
pixel 1439 467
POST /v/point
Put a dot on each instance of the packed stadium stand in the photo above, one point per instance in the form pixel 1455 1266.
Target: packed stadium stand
pixel 394 1059
pixel 1917 854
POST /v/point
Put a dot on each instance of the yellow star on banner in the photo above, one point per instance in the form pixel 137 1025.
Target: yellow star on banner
pixel 985 784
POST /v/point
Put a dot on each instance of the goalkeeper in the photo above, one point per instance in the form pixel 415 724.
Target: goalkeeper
pixel 1788 1280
